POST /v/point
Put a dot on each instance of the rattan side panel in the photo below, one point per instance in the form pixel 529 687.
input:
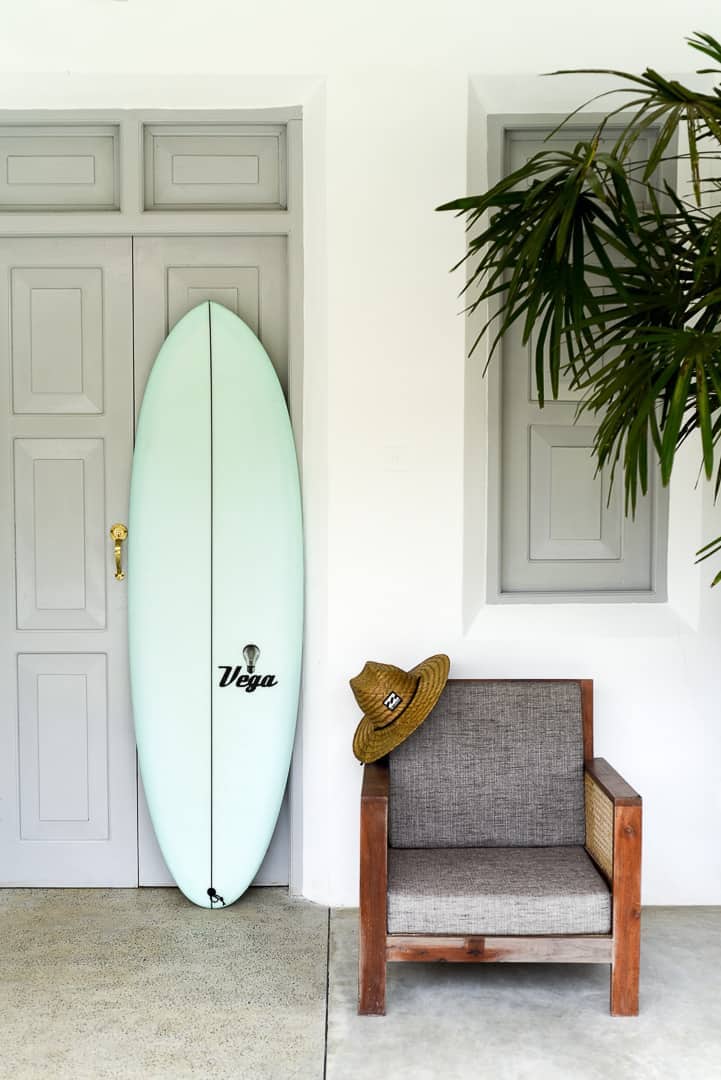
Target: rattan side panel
pixel 599 826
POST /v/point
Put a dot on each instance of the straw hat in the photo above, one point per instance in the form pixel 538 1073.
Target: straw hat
pixel 394 703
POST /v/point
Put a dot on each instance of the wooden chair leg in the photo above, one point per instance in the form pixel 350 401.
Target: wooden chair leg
pixel 371 974
pixel 373 881
pixel 626 910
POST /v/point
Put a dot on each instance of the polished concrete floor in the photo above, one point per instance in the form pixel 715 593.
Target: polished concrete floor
pixel 536 1021
pixel 132 984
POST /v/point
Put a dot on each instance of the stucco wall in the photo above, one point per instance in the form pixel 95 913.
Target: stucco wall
pixel 394 415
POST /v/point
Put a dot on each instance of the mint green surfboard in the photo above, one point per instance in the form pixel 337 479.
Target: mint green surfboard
pixel 215 580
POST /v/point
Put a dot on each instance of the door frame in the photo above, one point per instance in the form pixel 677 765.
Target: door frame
pixel 131 219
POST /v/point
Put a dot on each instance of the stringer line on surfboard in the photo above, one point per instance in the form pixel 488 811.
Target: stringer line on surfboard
pixel 214 897
pixel 211 890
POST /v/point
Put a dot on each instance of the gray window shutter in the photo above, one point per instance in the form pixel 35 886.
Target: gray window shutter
pixel 561 536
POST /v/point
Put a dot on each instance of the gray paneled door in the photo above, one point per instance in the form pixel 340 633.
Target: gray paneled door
pixel 248 275
pixel 68 802
pixel 77 318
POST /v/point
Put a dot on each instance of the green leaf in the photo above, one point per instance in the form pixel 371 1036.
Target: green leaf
pixel 704 417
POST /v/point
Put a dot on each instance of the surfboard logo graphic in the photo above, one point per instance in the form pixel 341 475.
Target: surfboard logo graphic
pixel 251 655
pixel 233 674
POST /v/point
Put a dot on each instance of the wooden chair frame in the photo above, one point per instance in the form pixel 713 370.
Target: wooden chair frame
pixel 613 841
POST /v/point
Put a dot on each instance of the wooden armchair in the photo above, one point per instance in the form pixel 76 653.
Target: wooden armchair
pixel 493 835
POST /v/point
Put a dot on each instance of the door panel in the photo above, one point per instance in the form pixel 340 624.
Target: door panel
pixel 247 274
pixel 172 275
pixel 63 720
pixel 58 167
pixel 586 526
pixel 57 350
pixel 60 533
pixel 235 287
pixel 67 773
pixel 230 166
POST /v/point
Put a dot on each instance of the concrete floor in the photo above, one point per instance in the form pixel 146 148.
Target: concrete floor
pixel 536 1021
pixel 123 984
pixel 130 984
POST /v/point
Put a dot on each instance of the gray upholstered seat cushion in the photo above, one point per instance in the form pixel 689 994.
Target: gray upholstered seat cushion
pixel 551 890
pixel 496 763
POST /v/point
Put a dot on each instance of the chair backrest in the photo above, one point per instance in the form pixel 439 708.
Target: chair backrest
pixel 498 763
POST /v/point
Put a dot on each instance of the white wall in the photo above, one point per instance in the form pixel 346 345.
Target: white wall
pixel 386 89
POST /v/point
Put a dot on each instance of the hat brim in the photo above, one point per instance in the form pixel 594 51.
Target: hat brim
pixel 371 743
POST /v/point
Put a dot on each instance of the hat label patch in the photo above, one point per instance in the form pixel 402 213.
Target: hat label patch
pixel 392 701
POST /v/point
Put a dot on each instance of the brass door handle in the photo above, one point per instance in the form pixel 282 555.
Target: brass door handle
pixel 118 533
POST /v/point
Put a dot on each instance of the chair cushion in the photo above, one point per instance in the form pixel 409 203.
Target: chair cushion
pixel 496 763
pixel 550 890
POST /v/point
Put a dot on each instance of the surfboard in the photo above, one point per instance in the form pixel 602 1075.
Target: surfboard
pixel 215 597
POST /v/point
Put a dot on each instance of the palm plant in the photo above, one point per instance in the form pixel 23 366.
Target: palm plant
pixel 618 275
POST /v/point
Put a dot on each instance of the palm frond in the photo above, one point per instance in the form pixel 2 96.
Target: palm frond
pixel 616 276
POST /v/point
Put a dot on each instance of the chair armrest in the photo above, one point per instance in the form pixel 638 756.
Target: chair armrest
pixel 613 840
pixel 376 781
pixel 374 832
pixel 613 825
pixel 611 783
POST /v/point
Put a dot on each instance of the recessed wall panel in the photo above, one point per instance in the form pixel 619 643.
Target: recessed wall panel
pixel 62 738
pixel 570 513
pixel 62 747
pixel 58 167
pixel 41 169
pixel 57 339
pixel 59 545
pixel 60 534
pixel 235 287
pixel 215 167
pixel 572 468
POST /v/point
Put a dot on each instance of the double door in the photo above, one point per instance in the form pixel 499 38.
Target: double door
pixel 81 321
